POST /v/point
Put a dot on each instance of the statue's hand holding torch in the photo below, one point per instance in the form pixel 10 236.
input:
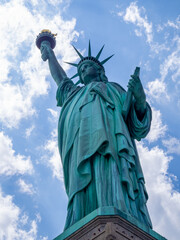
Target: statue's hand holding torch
pixel 46 50
pixel 46 41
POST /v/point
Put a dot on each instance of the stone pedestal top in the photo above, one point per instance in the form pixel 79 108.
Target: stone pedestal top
pixel 109 223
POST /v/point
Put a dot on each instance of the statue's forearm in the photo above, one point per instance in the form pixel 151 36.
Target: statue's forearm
pixel 56 70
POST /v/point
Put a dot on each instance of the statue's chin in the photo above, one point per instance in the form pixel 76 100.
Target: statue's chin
pixel 90 79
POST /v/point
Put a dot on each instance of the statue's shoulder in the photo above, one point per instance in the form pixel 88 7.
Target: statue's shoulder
pixel 117 86
pixel 66 91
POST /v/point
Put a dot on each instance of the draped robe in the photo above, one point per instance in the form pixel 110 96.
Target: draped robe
pixel 98 153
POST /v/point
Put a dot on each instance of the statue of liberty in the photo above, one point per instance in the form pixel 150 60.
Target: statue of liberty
pixel 96 143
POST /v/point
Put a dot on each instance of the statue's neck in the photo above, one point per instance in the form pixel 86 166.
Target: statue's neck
pixel 96 79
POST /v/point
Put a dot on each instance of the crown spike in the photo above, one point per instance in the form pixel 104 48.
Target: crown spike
pixel 78 52
pixel 99 53
pixel 74 76
pixel 105 60
pixel 89 50
pixel 73 64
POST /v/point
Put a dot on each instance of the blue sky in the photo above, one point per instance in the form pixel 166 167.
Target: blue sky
pixel 140 33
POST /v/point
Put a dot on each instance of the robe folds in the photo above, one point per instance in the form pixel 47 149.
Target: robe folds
pixel 98 153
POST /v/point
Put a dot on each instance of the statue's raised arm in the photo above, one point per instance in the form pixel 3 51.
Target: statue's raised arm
pixel 46 42
pixel 56 70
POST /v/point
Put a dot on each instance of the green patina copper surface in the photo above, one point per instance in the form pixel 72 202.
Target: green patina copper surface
pixel 96 144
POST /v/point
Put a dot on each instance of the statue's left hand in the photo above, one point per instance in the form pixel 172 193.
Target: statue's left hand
pixel 136 87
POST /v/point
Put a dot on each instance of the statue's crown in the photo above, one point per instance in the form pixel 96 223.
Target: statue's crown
pixel 88 58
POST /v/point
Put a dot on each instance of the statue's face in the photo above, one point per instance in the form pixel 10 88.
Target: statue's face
pixel 88 72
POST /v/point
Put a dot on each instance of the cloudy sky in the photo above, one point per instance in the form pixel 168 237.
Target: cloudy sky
pixel 140 33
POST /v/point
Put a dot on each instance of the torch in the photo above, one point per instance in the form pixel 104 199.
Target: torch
pixel 46 35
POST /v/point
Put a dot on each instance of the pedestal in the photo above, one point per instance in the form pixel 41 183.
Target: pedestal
pixel 109 223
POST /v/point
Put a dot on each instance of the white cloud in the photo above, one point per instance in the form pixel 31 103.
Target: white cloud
pixel 171 24
pixel 55 2
pixel 44 238
pixel 158 130
pixel 11 226
pixel 163 199
pixel 136 15
pixel 24 219
pixel 157 90
pixel 13 105
pixel 172 144
pixel 54 114
pixel 29 131
pixel 25 187
pixel 133 15
pixel 120 14
pixel 157 47
pixel 170 46
pixel 12 163
pixel 19 27
pixel 52 156
pixel 138 33
pixel 172 63
pixel 169 70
